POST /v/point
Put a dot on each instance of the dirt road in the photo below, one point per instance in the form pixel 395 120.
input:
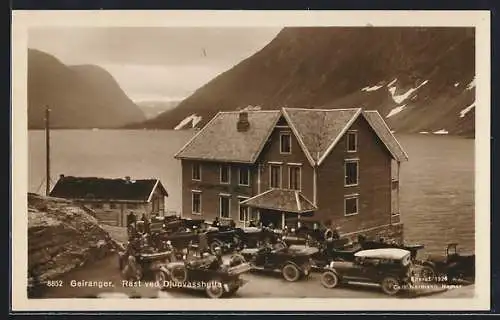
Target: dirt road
pixel 260 285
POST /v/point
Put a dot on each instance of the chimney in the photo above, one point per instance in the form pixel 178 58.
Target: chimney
pixel 243 124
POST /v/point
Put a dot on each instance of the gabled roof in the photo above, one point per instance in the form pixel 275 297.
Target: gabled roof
pixel 281 200
pixel 91 188
pixel 317 131
pixel 219 140
pixel 384 133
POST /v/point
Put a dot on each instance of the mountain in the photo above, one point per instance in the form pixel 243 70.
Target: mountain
pixel 152 109
pixel 419 79
pixel 83 96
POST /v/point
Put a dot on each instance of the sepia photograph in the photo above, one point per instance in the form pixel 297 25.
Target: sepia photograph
pixel 315 164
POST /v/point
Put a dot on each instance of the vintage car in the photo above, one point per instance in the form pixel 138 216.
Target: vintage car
pixel 452 265
pixel 208 273
pixel 142 265
pixel 381 243
pixel 335 250
pixel 294 262
pixel 254 237
pixel 391 268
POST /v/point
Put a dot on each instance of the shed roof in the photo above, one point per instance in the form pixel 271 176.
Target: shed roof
pixel 93 188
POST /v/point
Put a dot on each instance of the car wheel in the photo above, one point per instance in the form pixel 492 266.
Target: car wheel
pixel 214 244
pixel 160 277
pixel 329 279
pixel 427 272
pixel 178 274
pixel 390 286
pixel 291 272
pixel 214 292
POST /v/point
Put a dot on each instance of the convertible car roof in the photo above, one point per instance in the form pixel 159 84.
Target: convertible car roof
pixel 384 253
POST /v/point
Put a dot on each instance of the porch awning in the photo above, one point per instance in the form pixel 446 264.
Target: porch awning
pixel 281 200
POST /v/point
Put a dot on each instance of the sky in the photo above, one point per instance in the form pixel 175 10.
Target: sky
pixel 154 63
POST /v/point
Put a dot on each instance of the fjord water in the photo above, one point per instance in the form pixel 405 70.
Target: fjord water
pixel 437 183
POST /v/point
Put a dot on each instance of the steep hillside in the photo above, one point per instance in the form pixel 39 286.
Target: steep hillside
pixel 420 79
pixel 85 96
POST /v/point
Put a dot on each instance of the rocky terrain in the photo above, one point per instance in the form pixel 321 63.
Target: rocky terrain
pixel 61 237
pixel 421 80
pixel 80 97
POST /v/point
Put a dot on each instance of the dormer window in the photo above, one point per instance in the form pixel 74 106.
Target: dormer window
pixel 352 141
pixel 285 143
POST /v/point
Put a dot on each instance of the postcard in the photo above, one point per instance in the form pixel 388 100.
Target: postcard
pixel 246 160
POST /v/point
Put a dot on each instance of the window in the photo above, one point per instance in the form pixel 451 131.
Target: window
pixel 113 206
pixel 285 143
pixel 352 141
pixel 351 173
pixel 275 176
pixel 196 202
pixel 225 174
pixel 244 177
pixel 243 211
pixel 351 205
pixel 294 178
pixel 225 206
pixel 196 172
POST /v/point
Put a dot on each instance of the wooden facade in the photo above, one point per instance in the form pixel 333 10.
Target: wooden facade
pixel 111 200
pixel 353 184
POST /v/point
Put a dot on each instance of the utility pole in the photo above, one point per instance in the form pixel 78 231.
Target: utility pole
pixel 47 151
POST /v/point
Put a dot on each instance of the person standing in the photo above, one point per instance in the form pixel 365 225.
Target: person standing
pixel 216 222
pixel 146 223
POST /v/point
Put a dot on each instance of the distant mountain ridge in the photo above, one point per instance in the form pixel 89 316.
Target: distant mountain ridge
pixel 82 96
pixel 419 79
pixel 154 108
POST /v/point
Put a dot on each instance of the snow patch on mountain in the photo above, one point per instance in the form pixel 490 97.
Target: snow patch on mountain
pixel 424 132
pixel 396 110
pixel 442 131
pixel 390 84
pixel 188 122
pixel 456 84
pixel 402 97
pixel 472 84
pixel 252 108
pixel 466 110
pixel 372 88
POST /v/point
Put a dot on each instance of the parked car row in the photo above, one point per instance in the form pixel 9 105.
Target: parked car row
pixel 181 258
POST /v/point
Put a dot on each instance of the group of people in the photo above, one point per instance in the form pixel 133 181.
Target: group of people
pixel 139 226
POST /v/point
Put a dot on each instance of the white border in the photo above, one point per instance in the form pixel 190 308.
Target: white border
pixel 22 20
